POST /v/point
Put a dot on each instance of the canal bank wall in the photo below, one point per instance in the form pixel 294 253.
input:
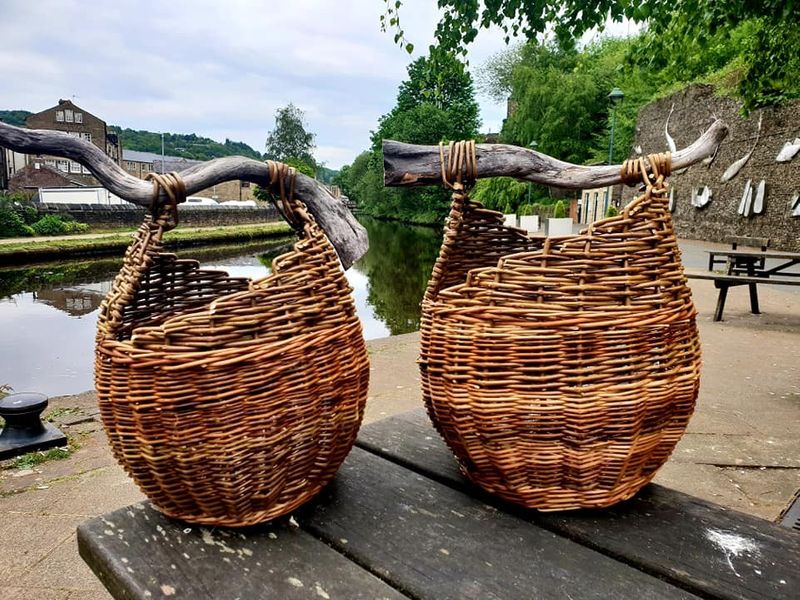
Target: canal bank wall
pixel 100 216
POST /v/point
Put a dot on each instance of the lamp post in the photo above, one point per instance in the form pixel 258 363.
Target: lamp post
pixel 614 97
pixel 533 145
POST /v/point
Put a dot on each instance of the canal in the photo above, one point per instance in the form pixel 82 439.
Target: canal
pixel 48 312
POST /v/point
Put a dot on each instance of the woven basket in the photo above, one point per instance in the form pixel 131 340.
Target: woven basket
pixel 561 372
pixel 230 401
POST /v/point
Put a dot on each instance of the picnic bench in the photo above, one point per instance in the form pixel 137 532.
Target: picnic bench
pixel 399 521
pixel 748 267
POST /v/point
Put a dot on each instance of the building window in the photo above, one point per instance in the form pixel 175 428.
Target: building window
pixel 50 162
pixel 59 116
pixel 63 165
pixel 78 117
pixel 245 184
pixel 85 171
pixel 74 167
pixel 68 117
pixel 87 136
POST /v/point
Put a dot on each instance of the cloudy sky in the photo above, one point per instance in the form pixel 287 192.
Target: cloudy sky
pixel 219 69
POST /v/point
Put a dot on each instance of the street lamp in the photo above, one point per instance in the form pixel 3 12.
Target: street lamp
pixel 614 97
pixel 533 145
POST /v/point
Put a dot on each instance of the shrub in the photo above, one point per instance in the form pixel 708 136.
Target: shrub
pixel 525 210
pixel 507 210
pixel 57 225
pixel 611 211
pixel 12 224
pixel 560 210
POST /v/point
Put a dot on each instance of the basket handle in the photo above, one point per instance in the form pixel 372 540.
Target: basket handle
pixel 459 171
pixel 140 254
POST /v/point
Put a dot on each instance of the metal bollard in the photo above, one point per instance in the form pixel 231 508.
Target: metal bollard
pixel 24 431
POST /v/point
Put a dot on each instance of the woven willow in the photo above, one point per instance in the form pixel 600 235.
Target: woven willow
pixel 230 401
pixel 562 374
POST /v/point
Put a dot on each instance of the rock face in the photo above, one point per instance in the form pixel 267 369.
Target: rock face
pixel 695 108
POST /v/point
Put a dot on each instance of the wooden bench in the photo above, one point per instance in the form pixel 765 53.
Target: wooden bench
pixel 400 521
pixel 723 282
pixel 761 243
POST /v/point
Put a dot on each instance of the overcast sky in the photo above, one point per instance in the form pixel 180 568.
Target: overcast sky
pixel 220 69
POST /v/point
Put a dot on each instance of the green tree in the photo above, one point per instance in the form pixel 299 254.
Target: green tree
pixel 289 140
pixel 769 62
pixel 436 103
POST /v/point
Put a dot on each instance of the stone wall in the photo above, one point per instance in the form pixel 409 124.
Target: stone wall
pixel 195 216
pixel 695 108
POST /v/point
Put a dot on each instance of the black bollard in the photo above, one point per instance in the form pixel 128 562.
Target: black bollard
pixel 24 430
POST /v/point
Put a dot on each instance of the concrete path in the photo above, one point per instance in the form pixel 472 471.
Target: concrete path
pixel 740 451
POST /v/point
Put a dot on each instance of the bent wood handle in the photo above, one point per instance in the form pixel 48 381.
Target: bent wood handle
pixel 414 165
pixel 345 233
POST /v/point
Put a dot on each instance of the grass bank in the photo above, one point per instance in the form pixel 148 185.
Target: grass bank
pixel 29 250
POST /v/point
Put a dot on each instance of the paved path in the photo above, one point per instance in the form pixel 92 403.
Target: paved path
pixel 112 234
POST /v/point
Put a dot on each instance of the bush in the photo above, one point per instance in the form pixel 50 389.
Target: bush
pixel 57 225
pixel 611 211
pixel 525 210
pixel 507 210
pixel 12 224
pixel 560 210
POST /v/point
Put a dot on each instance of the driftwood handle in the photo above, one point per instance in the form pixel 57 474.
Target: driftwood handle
pixel 345 233
pixel 413 165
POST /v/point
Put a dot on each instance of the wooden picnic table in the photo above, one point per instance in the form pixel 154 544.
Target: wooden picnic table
pixel 399 521
pixel 749 267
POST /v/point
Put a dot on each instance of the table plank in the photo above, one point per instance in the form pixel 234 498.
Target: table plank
pixel 434 542
pixel 138 553
pixel 700 546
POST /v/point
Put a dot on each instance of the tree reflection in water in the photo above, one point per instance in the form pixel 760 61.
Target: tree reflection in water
pixel 398 266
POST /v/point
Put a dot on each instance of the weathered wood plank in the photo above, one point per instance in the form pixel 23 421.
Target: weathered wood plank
pixel 705 548
pixel 414 165
pixel 434 542
pixel 138 553
pixel 345 233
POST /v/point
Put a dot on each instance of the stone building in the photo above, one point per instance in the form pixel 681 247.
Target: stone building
pixel 74 120
pixel 695 107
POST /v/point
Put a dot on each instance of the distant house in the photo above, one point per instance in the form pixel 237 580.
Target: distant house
pixel 139 164
pixel 73 120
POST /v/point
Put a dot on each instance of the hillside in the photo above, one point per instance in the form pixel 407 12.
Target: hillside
pixel 14 117
pixel 187 145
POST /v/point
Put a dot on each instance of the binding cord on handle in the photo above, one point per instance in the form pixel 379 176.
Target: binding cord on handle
pixel 175 190
pixel 283 177
pixel 459 171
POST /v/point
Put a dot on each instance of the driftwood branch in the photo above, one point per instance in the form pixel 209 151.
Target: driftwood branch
pixel 413 165
pixel 345 233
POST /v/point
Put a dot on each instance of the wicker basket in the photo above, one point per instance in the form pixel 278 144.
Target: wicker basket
pixel 561 372
pixel 230 401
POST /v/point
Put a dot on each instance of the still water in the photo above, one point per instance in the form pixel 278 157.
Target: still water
pixel 48 312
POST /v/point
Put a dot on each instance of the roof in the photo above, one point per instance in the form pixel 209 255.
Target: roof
pixel 62 104
pixel 145 157
pixel 170 163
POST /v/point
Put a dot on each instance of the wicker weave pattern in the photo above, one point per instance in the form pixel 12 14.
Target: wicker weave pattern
pixel 230 402
pixel 563 377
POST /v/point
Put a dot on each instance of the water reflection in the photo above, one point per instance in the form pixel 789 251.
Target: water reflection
pixel 48 312
pixel 398 266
